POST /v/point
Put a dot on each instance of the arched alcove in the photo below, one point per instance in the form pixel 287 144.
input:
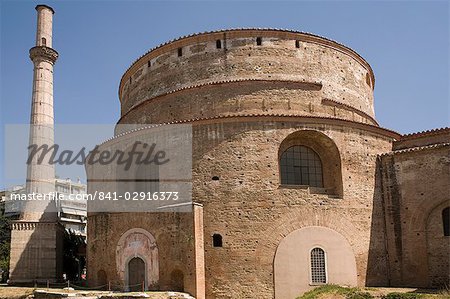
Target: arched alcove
pixel 102 280
pixel 295 271
pixel 138 243
pixel 437 247
pixel 177 280
pixel 326 150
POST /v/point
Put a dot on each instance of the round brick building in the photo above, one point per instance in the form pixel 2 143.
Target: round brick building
pixel 284 158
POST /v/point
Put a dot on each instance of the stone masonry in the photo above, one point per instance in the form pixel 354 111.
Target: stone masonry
pixel 251 94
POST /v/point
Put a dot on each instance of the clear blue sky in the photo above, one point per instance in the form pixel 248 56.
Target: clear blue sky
pixel 406 43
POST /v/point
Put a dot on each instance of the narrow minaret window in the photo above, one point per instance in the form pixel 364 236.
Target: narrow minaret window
pixel 43 42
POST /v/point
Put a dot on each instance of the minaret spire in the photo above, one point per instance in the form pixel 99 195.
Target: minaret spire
pixel 41 176
pixel 36 247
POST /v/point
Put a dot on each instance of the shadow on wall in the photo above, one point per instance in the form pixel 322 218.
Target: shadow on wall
pixel 377 264
pixel 37 251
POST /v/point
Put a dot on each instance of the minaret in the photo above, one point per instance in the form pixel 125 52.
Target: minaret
pixel 36 238
pixel 41 176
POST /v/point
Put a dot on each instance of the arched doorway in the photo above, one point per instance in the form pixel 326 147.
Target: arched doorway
pixel 138 243
pixel 136 274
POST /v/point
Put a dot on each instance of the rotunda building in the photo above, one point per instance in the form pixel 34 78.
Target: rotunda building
pixel 284 158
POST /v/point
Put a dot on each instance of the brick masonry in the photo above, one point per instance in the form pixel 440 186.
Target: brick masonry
pixel 247 103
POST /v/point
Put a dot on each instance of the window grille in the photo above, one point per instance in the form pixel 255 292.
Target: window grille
pixel 318 272
pixel 300 165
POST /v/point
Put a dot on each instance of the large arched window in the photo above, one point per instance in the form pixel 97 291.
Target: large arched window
pixel 300 165
pixel 446 221
pixel 318 267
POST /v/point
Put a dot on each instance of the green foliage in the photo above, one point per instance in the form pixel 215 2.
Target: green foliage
pixel 348 293
pixel 402 296
pixel 5 244
pixel 357 294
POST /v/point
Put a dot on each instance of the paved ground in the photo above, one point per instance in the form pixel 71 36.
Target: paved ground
pixel 7 292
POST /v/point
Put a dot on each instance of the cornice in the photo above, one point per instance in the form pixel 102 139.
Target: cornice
pixel 315 85
pixel 416 149
pixel 264 117
pixel 331 102
pixel 438 131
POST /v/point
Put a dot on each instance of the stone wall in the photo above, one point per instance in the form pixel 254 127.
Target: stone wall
pixel 415 191
pixel 173 233
pixel 246 204
pixel 253 212
pixel 36 253
pixel 247 103
pixel 341 74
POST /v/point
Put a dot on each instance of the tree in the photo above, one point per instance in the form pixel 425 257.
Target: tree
pixel 5 245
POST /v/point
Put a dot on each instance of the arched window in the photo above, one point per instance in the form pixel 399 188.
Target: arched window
pixel 217 240
pixel 300 165
pixel 318 267
pixel 368 79
pixel 446 221
pixel 43 42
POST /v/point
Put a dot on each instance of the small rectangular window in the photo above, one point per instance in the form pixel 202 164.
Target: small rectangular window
pixel 297 44
pixel 446 221
pixel 149 63
pixel 218 44
pixel 217 240
pixel 180 52
pixel 258 41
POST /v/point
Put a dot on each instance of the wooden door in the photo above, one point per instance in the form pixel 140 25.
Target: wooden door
pixel 136 274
